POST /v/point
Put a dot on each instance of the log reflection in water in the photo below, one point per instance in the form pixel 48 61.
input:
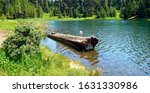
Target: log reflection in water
pixel 91 56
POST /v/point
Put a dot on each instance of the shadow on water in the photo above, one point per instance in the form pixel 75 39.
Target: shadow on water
pixel 86 56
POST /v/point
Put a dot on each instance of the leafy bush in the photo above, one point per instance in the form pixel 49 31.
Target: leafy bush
pixel 44 64
pixel 25 40
pixel 3 17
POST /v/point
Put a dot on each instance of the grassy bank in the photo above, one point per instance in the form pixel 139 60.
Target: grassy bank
pixel 8 25
pixel 47 17
pixel 55 18
pixel 46 63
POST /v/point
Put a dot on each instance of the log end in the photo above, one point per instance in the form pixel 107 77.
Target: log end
pixel 77 42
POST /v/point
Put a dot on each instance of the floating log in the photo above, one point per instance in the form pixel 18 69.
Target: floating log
pixel 77 42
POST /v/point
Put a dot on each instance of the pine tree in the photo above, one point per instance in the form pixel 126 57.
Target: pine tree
pixel 10 12
pixel 112 12
pixel 74 8
pixel 39 11
pixel 71 13
pixel 98 14
pixel 24 8
pixel 103 12
pixel 5 7
pixel 124 13
pixel 1 7
pixel 51 13
pixel 141 10
pixel 147 6
pixel 45 6
pixel 59 14
pixel 64 13
pixel 34 2
pixel 32 11
pixel 75 13
pixel 17 8
pixel 106 7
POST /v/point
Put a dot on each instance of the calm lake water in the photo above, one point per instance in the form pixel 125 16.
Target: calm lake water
pixel 123 49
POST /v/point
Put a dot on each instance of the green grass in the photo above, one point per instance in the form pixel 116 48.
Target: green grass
pixel 47 17
pixel 44 64
pixel 7 24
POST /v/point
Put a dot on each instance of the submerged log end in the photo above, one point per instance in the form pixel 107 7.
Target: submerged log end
pixel 91 43
pixel 94 41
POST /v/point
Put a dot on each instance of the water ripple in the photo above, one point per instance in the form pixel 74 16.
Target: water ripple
pixel 123 49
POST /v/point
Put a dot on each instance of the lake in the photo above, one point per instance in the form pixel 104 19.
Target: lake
pixel 123 48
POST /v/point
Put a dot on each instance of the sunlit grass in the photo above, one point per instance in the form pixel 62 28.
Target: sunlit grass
pixel 44 64
pixel 7 24
pixel 47 17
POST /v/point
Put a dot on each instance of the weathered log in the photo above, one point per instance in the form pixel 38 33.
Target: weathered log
pixel 77 42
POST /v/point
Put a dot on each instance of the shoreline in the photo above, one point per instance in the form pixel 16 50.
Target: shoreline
pixel 55 18
pixel 90 18
pixel 5 29
pixel 71 67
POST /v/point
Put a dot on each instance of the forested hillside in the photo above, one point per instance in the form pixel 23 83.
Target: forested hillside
pixel 75 8
pixel 23 8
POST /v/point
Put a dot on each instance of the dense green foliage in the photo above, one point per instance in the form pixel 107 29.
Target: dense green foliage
pixel 135 9
pixel 101 8
pixel 23 55
pixel 82 8
pixel 24 41
pixel 23 8
pixel 75 8
pixel 44 63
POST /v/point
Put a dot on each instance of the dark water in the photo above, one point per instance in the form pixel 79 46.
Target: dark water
pixel 124 47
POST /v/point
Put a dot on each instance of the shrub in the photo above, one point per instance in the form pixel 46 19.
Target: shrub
pixel 3 17
pixel 25 40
